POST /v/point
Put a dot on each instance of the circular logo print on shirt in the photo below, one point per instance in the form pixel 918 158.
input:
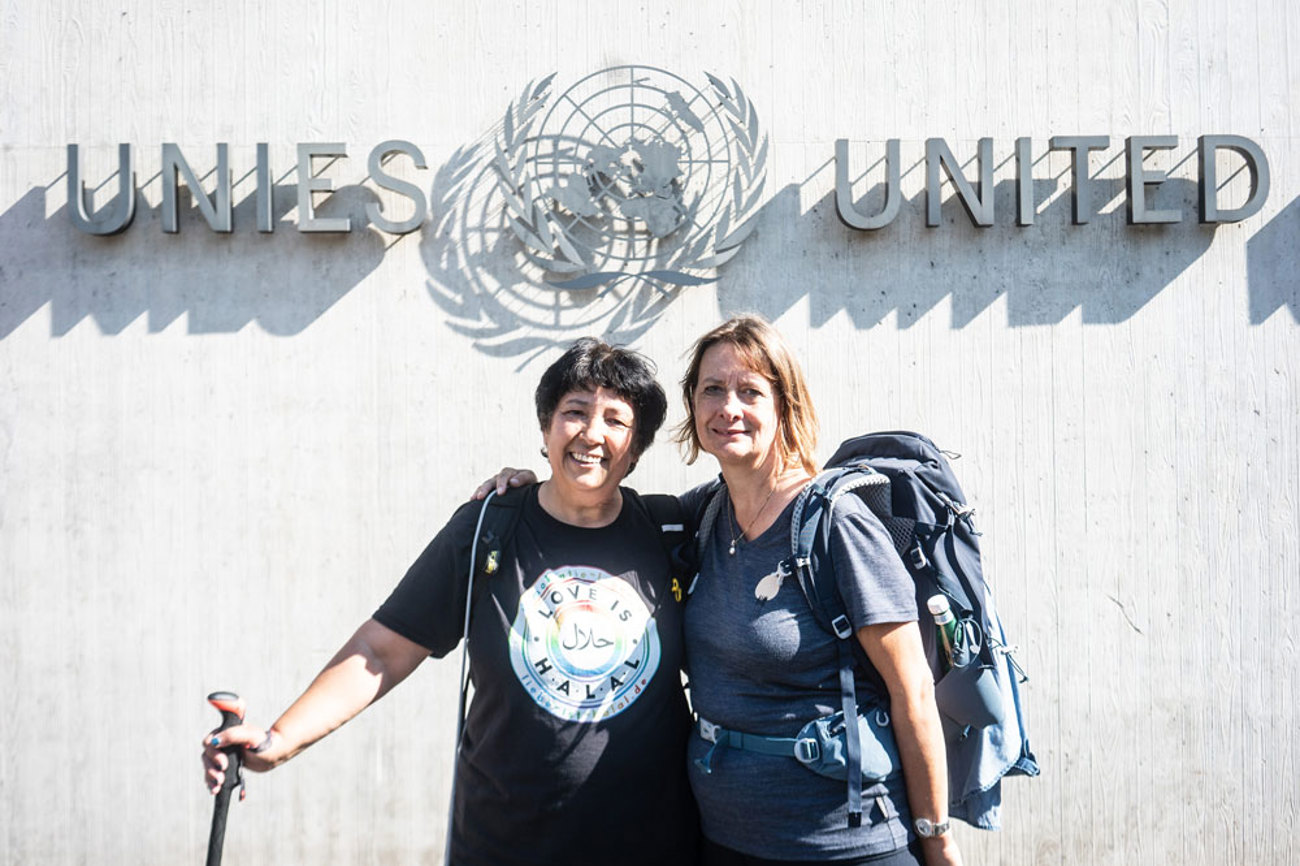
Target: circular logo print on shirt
pixel 583 643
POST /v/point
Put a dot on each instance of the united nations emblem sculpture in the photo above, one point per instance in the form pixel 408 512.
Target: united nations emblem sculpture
pixel 631 173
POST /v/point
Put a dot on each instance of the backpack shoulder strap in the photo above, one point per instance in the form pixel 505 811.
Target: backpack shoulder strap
pixel 810 535
pixel 705 521
pixel 665 512
pixel 496 529
pixel 497 518
pixel 810 561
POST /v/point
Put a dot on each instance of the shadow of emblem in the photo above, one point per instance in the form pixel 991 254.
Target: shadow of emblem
pixel 589 210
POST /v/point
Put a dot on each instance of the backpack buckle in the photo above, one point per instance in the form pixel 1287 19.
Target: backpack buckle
pixel 919 559
pixel 806 751
pixel 843 628
pixel 708 731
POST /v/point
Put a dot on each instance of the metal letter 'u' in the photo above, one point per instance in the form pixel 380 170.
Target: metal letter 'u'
pixel 117 216
pixel 844 189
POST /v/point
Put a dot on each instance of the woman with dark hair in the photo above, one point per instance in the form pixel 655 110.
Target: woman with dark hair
pixel 578 722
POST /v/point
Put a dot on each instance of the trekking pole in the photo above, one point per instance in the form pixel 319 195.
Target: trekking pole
pixel 231 706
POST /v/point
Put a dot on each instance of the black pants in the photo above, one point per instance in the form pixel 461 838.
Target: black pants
pixel 716 855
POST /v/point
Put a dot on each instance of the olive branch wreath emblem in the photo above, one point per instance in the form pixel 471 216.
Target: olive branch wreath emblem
pixel 547 237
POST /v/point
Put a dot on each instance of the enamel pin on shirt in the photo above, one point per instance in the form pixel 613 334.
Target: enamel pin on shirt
pixel 769 586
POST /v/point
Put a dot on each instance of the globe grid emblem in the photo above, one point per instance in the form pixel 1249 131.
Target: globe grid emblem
pixel 588 209
pixel 631 173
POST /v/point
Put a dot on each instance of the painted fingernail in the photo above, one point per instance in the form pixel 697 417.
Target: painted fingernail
pixel 214 742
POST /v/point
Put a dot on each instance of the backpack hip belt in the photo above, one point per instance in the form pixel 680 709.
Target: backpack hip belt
pixel 802 749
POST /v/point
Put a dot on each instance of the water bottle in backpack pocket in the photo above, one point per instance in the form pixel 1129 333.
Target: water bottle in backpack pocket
pixel 966 690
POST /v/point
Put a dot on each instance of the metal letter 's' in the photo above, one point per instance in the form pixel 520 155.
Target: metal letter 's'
pixel 402 187
pixel 978 204
pixel 1082 146
pixel 265 190
pixel 217 212
pixel 1256 164
pixel 309 183
pixel 1025 181
pixel 1139 178
pixel 844 189
pixel 112 219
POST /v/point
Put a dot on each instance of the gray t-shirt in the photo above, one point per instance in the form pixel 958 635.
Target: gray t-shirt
pixel 768 668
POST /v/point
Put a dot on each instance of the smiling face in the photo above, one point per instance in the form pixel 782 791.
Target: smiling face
pixel 589 445
pixel 737 412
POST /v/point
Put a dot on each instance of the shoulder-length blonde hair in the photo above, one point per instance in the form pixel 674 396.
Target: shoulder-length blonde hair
pixel 767 354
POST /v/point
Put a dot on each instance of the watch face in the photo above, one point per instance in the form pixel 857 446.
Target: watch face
pixel 925 828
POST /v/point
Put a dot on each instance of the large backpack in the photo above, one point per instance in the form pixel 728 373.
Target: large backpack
pixel 906 482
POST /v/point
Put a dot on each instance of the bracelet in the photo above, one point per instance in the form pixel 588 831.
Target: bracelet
pixel 265 744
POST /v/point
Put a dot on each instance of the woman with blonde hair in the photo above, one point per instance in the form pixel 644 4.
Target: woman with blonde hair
pixel 760 665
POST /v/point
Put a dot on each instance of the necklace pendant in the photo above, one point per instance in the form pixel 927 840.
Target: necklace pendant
pixel 731 551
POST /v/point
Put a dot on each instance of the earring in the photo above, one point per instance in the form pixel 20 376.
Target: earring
pixel 545 456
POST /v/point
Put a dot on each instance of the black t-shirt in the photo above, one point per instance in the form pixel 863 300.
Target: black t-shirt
pixel 575 741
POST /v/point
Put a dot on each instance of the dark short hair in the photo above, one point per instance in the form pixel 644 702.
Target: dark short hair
pixel 590 364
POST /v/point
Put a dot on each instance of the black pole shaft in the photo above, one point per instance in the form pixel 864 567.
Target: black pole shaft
pixel 231 714
pixel 217 836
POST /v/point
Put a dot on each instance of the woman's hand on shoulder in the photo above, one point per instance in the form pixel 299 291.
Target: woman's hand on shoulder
pixel 507 477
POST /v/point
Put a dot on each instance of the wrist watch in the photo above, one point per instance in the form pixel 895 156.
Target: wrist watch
pixel 926 829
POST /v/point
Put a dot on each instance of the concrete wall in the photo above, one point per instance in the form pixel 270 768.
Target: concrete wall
pixel 219 452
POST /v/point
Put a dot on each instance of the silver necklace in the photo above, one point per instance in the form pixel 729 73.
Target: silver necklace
pixel 735 520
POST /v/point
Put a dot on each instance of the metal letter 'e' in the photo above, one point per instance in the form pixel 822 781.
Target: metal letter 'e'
pixel 1139 178
pixel 1256 164
pixel 403 187
pixel 844 189
pixel 113 219
pixel 308 183
pixel 1082 146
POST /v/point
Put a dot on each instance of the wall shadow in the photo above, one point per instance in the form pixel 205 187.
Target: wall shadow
pixel 1272 272
pixel 1106 268
pixel 223 282
pixel 1047 270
